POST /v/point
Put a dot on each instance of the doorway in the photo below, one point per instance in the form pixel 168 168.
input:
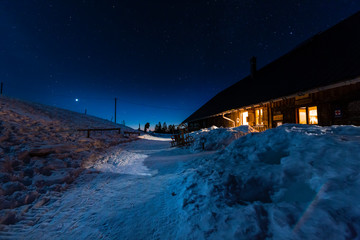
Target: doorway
pixel 245 118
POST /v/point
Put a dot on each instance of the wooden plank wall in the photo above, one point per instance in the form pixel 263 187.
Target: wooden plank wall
pixel 345 98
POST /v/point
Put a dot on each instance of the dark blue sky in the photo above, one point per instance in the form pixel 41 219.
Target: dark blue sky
pixel 161 59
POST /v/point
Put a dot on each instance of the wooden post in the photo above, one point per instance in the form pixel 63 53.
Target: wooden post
pixel 115 109
pixel 1 88
pixel 88 133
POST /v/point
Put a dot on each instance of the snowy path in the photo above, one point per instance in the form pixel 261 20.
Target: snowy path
pixel 114 205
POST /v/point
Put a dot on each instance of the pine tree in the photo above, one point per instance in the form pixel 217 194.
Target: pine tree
pixel 164 128
pixel 147 126
pixel 158 128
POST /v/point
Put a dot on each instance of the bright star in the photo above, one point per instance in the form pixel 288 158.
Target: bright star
pixel 76 99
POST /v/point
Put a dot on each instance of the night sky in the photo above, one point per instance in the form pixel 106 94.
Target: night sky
pixel 161 59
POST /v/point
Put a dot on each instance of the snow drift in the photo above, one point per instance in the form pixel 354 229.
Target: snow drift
pixel 215 138
pixel 292 182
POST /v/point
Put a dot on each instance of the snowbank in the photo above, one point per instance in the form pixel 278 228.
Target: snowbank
pixel 215 138
pixel 41 151
pixel 292 182
pixel 161 135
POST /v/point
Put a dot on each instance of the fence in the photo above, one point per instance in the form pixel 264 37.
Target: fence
pixel 106 129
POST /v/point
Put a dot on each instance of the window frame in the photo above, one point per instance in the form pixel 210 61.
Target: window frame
pixel 307 112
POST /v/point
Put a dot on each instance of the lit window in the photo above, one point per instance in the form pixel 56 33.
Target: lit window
pixel 313 116
pixel 259 117
pixel 245 115
pixel 302 115
pixel 308 115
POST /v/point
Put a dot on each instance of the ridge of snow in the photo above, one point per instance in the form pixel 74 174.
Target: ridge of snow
pixel 215 138
pixel 291 182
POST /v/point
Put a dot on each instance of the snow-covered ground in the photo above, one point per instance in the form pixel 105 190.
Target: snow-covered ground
pixel 292 182
pixel 41 152
pixel 131 197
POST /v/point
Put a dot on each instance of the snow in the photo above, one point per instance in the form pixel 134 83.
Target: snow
pixel 160 135
pixel 42 151
pixel 291 182
pixel 123 161
pixel 165 138
pixel 215 138
pixel 110 204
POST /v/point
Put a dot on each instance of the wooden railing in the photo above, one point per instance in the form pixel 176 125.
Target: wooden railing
pixel 260 128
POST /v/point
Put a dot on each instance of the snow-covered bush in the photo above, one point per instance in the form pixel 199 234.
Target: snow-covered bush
pixel 215 138
pixel 292 182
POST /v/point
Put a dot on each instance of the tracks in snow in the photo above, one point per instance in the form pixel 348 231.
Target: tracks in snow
pixel 108 205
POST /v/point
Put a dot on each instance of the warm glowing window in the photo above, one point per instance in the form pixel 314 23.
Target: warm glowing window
pixel 302 116
pixel 308 115
pixel 259 117
pixel 245 116
pixel 313 116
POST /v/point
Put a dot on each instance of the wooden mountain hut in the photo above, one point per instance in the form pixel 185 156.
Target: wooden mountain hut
pixel 318 82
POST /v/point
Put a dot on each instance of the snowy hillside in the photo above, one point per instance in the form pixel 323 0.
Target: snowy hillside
pixel 41 151
pixel 292 182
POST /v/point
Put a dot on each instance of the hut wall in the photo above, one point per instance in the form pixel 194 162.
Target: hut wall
pixel 337 106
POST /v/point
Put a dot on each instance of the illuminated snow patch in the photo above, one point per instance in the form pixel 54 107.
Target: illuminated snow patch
pixel 154 138
pixel 124 162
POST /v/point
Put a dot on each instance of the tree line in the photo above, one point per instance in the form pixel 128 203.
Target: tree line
pixel 164 128
pixel 161 128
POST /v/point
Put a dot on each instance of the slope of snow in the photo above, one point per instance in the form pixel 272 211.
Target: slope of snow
pixel 292 182
pixel 41 151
